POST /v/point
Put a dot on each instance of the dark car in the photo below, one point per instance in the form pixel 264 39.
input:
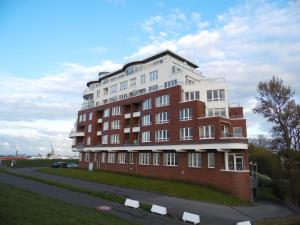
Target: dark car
pixel 59 165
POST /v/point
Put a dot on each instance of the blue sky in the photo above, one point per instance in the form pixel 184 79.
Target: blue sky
pixel 50 49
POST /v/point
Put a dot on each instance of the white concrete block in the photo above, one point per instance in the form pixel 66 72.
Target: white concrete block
pixel 132 203
pixel 159 209
pixel 243 223
pixel 190 217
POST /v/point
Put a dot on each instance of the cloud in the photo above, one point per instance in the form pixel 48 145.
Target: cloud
pixel 246 44
pixel 36 111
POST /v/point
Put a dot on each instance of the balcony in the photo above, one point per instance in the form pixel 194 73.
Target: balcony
pixel 136 129
pixel 136 114
pixel 99 133
pixel 87 104
pixel 100 120
pixel 88 92
pixel 127 116
pixel 74 133
pixel 127 130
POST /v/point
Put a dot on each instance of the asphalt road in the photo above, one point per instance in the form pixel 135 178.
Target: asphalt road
pixel 211 214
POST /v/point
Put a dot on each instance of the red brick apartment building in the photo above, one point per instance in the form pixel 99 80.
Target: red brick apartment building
pixel 160 117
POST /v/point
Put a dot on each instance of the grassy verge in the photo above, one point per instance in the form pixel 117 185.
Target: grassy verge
pixel 104 195
pixel 174 188
pixel 36 162
pixel 290 220
pixel 18 206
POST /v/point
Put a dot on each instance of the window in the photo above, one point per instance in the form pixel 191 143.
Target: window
pixel 144 158
pixel 162 100
pixel 146 120
pixel 206 132
pixel 87 157
pixel 235 161
pixel 113 88
pixel 153 75
pixel 237 132
pixel 132 82
pixel 170 83
pixel 80 118
pixel 90 116
pixel 146 136
pixel 103 157
pixel 123 96
pixel 84 117
pixel 111 157
pixel 216 95
pixel 162 117
pixel 98 93
pixel 122 158
pixel 155 160
pixel 115 139
pixel 116 111
pixel 224 131
pixel 88 141
pixel 186 114
pixel 106 113
pixel 217 112
pixel 131 158
pixel 143 78
pixel 130 70
pixel 104 139
pixel 147 104
pixel 115 124
pixel 153 88
pixel 191 95
pixel 106 125
pixel 211 160
pixel 162 135
pixel 123 85
pixel 80 156
pixel 90 128
pixel 194 160
pixel 186 133
pixel 170 159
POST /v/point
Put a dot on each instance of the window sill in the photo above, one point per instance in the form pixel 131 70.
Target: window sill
pixel 235 171
pixel 171 165
pixel 194 167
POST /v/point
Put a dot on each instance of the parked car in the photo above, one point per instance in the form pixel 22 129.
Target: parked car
pixel 59 165
pixel 72 165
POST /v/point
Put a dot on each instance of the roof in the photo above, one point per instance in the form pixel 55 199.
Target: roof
pixel 156 56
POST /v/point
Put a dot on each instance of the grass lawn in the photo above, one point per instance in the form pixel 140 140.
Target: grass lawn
pixel 290 220
pixel 174 188
pixel 18 206
pixel 36 162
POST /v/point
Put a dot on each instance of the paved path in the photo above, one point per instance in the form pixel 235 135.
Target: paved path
pixel 211 214
pixel 133 215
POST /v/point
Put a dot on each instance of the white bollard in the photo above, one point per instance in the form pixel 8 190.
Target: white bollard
pixel 244 223
pixel 132 203
pixel 190 217
pixel 159 209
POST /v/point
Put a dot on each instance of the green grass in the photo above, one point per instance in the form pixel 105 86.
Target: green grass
pixel 267 193
pixel 18 206
pixel 173 188
pixel 36 162
pixel 290 220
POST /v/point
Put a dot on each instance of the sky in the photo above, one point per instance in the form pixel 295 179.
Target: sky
pixel 50 49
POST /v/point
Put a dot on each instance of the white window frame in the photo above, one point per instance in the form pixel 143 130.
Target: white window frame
pixel 235 157
pixel 90 128
pixel 211 155
pixel 115 124
pixel 122 158
pixel 144 158
pixel 131 158
pixel 146 120
pixel 162 135
pixel 163 100
pixel 143 78
pixel 195 160
pixel 88 141
pixel 216 112
pixel 106 125
pixel 115 111
pixel 115 139
pixel 191 96
pixel 106 113
pixel 80 118
pixel 105 139
pixel 186 114
pixel 113 89
pixel 147 104
pixel 84 117
pixel 186 133
pixel 124 85
pixel 215 95
pixel 170 159
pixel 103 157
pixel 156 158
pixel 207 132
pixel 146 136
pixel 153 88
pixel 111 158
pixel 87 157
pixel 162 117
pixel 153 75
pixel 80 156
pixel 90 116
pixel 237 134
